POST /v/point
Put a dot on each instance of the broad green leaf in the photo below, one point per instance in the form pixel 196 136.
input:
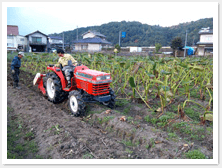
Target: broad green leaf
pixel 132 83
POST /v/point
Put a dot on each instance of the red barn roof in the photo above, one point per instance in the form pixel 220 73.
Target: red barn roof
pixel 12 30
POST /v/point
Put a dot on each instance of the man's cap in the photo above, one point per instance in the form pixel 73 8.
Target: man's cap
pixel 21 53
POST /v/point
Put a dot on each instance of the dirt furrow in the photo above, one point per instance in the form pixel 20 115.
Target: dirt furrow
pixel 100 135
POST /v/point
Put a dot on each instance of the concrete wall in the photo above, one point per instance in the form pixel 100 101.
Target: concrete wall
pixel 206 38
pixel 21 40
pixel 94 47
pixel 200 50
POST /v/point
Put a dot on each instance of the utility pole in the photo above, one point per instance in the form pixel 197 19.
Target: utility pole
pixel 77 33
pixel 63 41
pixel 193 41
pixel 185 45
pixel 119 37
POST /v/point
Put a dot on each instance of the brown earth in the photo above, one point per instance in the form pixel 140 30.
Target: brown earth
pixel 99 135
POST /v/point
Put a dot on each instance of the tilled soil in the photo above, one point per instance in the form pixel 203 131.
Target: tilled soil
pixel 59 135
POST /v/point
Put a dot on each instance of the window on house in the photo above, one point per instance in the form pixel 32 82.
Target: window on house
pixel 10 45
pixel 208 38
pixel 37 39
pixel 83 47
pixel 9 37
pixel 22 40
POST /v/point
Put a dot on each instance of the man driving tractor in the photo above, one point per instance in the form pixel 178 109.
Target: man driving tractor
pixel 64 58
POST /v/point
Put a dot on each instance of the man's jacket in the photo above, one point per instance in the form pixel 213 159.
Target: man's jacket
pixel 16 63
pixel 64 60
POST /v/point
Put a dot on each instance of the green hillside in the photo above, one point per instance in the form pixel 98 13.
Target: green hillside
pixel 138 34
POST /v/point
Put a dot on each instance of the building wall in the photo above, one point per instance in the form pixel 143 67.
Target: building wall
pixel 55 41
pixel 94 47
pixel 201 50
pixel 77 47
pixel 81 47
pixel 11 41
pixel 21 40
pixel 206 38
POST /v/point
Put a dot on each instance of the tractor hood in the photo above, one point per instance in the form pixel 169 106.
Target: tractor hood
pixel 92 76
pixel 93 72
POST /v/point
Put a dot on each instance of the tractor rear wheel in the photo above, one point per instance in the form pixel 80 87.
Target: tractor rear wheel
pixel 54 90
pixel 76 103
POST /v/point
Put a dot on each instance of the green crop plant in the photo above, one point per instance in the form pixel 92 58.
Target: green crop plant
pixel 133 85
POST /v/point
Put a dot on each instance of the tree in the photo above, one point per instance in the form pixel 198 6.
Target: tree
pixel 157 47
pixel 176 44
pixel 117 47
pixel 145 34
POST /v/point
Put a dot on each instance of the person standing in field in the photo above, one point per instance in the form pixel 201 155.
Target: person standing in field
pixel 15 65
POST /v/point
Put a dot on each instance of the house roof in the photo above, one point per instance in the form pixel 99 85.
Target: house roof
pixel 92 40
pixel 12 30
pixel 206 31
pixel 94 32
pixel 204 43
pixel 55 37
pixel 36 32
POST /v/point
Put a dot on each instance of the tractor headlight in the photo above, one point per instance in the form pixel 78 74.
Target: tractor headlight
pixel 108 77
pixel 98 78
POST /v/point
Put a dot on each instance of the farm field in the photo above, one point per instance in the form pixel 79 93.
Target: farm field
pixel 164 109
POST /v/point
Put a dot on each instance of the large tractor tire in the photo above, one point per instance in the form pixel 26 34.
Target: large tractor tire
pixel 54 90
pixel 76 104
pixel 111 103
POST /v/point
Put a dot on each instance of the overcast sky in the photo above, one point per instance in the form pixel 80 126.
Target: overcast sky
pixel 57 17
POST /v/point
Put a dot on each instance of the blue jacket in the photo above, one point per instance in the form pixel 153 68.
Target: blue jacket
pixel 16 63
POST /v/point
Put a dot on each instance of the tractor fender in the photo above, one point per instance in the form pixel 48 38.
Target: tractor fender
pixel 59 73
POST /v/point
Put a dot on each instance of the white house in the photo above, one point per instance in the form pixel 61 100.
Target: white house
pixel 37 42
pixel 55 42
pixel 14 40
pixel 92 41
pixel 205 45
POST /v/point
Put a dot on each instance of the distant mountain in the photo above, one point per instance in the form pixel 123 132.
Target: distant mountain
pixel 138 34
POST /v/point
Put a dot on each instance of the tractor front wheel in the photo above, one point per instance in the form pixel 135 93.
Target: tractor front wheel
pixel 54 90
pixel 76 104
pixel 111 103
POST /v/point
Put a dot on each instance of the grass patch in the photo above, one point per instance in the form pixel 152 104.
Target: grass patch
pixel 195 154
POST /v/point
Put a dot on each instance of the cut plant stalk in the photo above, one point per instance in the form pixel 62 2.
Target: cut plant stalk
pixel 133 85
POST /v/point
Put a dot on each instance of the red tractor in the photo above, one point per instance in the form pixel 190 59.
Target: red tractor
pixel 86 86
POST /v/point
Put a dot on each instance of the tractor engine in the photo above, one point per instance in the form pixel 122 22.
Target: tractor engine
pixel 91 81
pixel 94 85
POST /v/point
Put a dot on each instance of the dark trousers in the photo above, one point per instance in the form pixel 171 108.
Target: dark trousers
pixel 15 77
pixel 68 70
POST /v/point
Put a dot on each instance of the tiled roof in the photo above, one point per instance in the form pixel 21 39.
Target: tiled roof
pixel 94 32
pixel 204 43
pixel 37 32
pixel 12 30
pixel 206 31
pixel 56 37
pixel 93 40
